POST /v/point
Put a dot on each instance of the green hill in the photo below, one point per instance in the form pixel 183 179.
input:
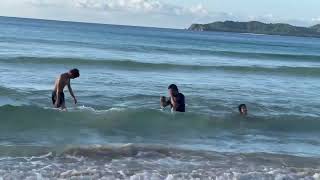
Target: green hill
pixel 258 28
pixel 316 27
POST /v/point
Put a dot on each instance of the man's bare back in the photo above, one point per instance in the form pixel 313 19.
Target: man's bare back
pixel 61 82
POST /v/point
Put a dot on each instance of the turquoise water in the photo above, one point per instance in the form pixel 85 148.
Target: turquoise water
pixel 117 129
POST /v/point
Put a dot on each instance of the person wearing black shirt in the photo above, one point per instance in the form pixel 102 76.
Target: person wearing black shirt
pixel 176 100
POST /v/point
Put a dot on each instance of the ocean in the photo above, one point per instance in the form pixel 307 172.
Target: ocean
pixel 118 130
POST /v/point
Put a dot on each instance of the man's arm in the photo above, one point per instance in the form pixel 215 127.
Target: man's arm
pixel 71 92
pixel 58 92
pixel 173 102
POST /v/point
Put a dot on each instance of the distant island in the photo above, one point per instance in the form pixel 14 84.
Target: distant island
pixel 257 27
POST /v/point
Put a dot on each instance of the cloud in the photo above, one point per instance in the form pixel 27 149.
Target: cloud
pixel 126 6
pixel 316 20
pixel 199 10
pixel 157 13
pixel 45 3
pixel 120 5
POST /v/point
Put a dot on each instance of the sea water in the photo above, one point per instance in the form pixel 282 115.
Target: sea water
pixel 118 131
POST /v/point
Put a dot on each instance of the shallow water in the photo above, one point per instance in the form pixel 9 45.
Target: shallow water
pixel 124 70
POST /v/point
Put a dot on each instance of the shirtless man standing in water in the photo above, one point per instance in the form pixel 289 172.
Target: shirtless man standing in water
pixel 62 81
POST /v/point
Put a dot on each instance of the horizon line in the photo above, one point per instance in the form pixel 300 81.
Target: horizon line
pixel 85 22
pixel 137 26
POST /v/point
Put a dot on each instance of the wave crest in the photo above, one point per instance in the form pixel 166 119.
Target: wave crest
pixel 136 65
pixel 146 122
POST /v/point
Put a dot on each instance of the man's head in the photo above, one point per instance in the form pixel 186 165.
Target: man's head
pixel 173 90
pixel 74 73
pixel 243 109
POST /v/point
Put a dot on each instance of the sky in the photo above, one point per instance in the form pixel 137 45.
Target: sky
pixel 166 13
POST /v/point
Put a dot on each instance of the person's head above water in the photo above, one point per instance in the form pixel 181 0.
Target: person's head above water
pixel 74 73
pixel 173 90
pixel 243 109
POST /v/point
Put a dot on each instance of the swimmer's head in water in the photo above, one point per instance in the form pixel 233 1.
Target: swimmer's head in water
pixel 74 73
pixel 173 90
pixel 243 109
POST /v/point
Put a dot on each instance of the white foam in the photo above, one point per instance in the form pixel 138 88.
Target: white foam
pixel 39 157
pixel 75 158
pixel 170 177
pixel 316 176
pixel 145 175
pixel 91 109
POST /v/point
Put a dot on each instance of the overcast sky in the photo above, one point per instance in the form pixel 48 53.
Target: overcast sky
pixel 165 13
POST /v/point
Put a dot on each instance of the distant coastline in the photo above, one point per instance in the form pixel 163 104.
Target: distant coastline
pixel 257 27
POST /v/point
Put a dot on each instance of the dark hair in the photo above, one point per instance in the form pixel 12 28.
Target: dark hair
pixel 241 106
pixel 75 72
pixel 173 87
